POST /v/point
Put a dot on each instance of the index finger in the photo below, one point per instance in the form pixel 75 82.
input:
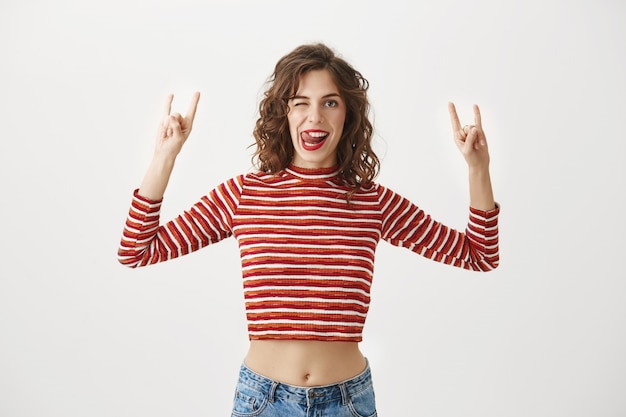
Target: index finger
pixel 454 118
pixel 477 118
pixel 168 104
pixel 191 112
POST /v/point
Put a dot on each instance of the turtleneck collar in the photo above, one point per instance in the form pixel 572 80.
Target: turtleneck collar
pixel 313 173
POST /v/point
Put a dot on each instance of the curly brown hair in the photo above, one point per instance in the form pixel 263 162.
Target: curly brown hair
pixel 357 162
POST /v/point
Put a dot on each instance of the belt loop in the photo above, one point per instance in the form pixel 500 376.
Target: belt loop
pixel 345 397
pixel 272 394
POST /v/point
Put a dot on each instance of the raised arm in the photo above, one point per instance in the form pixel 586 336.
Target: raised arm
pixel 173 132
pixel 471 141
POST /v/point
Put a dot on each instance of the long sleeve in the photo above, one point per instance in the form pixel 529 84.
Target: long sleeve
pixel 404 224
pixel 145 242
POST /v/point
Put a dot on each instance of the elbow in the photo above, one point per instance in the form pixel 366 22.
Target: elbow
pixel 482 261
pixel 127 263
pixel 486 264
pixel 487 258
pixel 127 260
pixel 492 266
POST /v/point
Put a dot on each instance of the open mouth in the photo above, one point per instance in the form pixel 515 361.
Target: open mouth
pixel 313 139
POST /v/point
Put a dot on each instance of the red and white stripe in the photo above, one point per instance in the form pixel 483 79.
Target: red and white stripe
pixel 307 255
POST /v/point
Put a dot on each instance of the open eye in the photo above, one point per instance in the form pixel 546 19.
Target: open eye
pixel 331 103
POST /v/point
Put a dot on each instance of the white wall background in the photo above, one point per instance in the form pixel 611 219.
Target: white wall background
pixel 81 89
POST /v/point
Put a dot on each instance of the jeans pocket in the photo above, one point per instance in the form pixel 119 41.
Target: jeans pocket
pixel 248 402
pixel 363 404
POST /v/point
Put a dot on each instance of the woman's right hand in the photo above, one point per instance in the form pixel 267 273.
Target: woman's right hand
pixel 173 133
pixel 175 129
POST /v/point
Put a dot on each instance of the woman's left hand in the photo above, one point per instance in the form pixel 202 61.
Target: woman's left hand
pixel 470 139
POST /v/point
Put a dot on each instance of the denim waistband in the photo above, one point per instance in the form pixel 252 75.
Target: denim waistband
pixel 310 396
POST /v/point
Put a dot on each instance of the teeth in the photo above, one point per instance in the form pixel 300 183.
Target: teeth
pixel 317 134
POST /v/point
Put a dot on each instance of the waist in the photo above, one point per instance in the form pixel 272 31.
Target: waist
pixel 306 395
pixel 305 363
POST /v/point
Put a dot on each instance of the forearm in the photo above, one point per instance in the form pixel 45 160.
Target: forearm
pixel 157 177
pixel 481 192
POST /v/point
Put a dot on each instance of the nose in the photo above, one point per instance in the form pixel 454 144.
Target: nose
pixel 315 114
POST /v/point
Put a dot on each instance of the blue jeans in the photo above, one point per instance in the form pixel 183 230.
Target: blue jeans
pixel 260 396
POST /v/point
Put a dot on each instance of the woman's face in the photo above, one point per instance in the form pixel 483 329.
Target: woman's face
pixel 316 117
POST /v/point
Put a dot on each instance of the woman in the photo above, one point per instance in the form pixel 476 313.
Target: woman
pixel 307 224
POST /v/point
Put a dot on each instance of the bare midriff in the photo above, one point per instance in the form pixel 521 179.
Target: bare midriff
pixel 305 363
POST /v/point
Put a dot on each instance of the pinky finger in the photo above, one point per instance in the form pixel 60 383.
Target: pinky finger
pixel 477 116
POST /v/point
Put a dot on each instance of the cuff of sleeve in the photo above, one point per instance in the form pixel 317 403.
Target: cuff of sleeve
pixel 486 214
pixel 147 204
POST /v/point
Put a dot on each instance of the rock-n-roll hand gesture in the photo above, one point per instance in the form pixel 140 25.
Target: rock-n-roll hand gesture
pixel 175 129
pixel 173 132
pixel 470 139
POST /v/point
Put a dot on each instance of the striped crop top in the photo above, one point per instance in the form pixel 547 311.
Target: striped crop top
pixel 307 256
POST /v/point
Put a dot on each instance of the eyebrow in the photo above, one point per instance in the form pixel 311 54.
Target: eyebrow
pixel 326 96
